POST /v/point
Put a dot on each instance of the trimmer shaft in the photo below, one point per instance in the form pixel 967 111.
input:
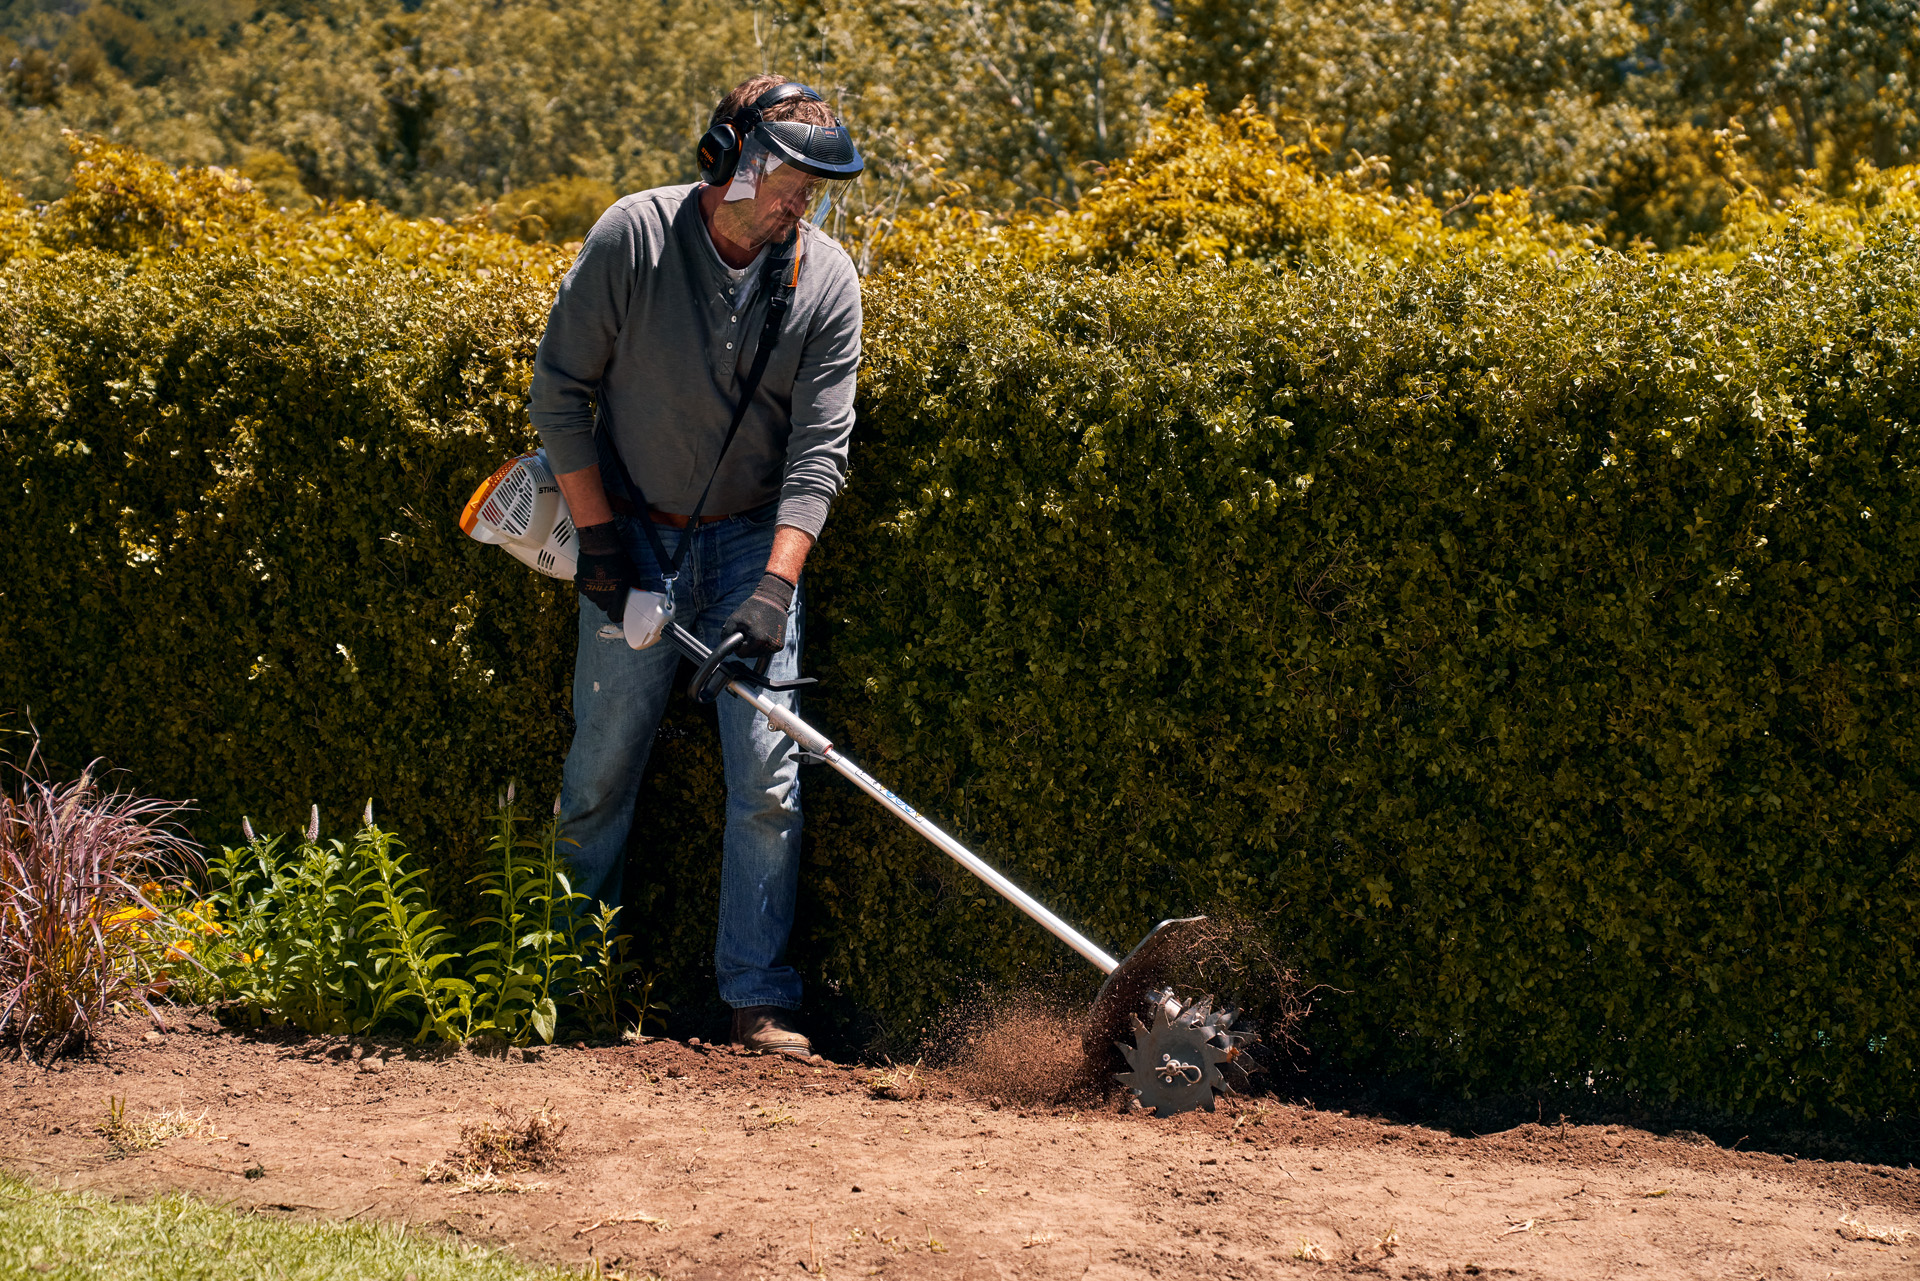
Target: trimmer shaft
pixel 1178 1054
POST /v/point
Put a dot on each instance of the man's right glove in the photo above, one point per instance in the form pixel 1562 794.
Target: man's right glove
pixel 762 617
pixel 603 573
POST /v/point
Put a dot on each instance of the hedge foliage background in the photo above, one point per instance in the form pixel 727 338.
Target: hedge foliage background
pixel 231 439
pixel 1524 631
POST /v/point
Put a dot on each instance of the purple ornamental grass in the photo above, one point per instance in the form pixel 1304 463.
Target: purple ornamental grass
pixel 73 860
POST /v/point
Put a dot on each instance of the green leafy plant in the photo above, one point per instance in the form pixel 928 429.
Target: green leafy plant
pixel 294 953
pixel 332 937
pixel 409 943
pixel 603 972
pixel 342 937
pixel 646 1009
pixel 531 958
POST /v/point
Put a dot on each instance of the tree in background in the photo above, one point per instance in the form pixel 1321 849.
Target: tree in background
pixel 1015 100
pixel 427 108
pixel 1479 95
pixel 1642 118
pixel 465 101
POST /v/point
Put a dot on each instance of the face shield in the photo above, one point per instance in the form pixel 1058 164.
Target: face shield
pixel 791 170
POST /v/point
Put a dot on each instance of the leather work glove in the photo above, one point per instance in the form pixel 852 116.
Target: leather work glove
pixel 603 573
pixel 762 617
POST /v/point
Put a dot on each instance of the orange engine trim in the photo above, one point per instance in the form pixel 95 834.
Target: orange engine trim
pixel 472 510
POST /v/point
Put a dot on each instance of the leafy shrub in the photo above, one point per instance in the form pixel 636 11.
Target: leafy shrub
pixel 79 866
pixel 292 933
pixel 529 955
pixel 410 945
pixel 237 443
pixel 331 937
pixel 1539 634
pixel 560 210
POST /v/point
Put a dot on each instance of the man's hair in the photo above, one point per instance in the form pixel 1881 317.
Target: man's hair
pixel 743 94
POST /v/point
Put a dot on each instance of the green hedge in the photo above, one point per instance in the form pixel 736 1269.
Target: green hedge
pixel 232 567
pixel 1531 645
pixel 1540 642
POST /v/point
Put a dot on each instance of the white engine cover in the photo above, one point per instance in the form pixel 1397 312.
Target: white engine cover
pixel 520 509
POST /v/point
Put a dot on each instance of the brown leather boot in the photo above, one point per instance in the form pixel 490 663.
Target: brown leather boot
pixel 768 1029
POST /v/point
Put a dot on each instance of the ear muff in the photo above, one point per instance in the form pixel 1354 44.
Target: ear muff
pixel 719 154
pixel 720 146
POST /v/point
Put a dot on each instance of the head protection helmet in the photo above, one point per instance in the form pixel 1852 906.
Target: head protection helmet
pixel 741 152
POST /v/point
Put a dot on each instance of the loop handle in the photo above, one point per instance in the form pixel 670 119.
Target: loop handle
pixel 710 682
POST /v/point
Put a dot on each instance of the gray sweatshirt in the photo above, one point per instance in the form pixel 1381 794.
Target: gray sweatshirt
pixel 645 333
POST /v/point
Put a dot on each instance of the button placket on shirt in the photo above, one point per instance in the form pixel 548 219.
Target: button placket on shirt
pixel 724 358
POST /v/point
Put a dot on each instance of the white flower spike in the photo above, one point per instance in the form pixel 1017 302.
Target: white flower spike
pixel 313 825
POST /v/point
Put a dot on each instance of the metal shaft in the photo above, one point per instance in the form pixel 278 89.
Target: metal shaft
pixel 812 740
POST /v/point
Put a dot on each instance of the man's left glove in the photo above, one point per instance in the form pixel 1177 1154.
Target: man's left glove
pixel 603 573
pixel 762 617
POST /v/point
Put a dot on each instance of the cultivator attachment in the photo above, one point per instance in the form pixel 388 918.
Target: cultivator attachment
pixel 1183 1055
pixel 1180 1056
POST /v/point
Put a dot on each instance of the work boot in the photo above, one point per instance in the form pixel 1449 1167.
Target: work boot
pixel 768 1029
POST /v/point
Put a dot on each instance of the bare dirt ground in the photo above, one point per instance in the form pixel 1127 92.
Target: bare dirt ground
pixel 686 1161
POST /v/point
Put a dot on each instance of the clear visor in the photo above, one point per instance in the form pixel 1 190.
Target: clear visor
pixel 780 189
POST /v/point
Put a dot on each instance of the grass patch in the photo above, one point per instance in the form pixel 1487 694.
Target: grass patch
pixel 54 1234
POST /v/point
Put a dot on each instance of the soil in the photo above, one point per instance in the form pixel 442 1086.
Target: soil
pixel 690 1161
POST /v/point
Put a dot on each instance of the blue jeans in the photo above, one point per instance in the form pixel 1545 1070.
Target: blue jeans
pixel 619 696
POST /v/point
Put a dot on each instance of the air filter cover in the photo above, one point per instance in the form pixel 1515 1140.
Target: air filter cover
pixel 520 508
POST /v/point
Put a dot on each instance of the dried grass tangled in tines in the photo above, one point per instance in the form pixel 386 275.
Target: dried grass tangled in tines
pixel 1241 962
pixel 506 1143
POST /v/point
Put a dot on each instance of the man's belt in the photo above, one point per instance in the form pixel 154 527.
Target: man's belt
pixel 673 520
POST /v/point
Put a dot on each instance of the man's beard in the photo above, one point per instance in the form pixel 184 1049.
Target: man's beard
pixel 755 228
pixel 777 227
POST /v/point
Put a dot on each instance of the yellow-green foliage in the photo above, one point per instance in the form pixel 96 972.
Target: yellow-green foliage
pixel 131 205
pixel 1876 201
pixel 559 211
pixel 1525 629
pixel 17 224
pixel 1221 189
pixel 1608 111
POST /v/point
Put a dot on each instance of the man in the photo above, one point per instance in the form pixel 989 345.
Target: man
pixel 653 339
